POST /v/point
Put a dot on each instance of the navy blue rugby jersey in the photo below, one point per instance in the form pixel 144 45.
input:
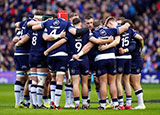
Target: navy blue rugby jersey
pixel 126 39
pixel 56 26
pixel 105 33
pixel 38 44
pixel 75 43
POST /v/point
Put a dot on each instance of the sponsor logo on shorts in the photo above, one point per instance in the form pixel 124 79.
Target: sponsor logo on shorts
pixel 138 70
pixel 120 69
pixel 62 67
pixel 72 71
pixel 99 71
pixel 39 65
pixel 23 67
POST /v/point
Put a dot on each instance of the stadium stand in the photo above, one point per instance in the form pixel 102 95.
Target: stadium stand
pixel 144 13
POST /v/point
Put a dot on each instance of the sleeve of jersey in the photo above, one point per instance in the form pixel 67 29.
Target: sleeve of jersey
pixel 21 24
pixel 133 32
pixel 114 31
pixel 29 32
pixel 91 34
pixel 66 38
pixel 43 24
pixel 45 31
pixel 132 45
pixel 69 26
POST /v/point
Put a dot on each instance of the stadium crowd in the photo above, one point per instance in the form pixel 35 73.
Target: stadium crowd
pixel 144 13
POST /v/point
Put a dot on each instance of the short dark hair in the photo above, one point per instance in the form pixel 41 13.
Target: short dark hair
pixel 39 12
pixel 130 22
pixel 96 23
pixel 108 19
pixel 73 14
pixel 88 17
pixel 121 18
pixel 76 21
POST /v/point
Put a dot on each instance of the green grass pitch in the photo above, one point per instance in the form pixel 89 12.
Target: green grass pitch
pixel 151 97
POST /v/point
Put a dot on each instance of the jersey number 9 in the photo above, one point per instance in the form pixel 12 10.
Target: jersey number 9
pixel 78 45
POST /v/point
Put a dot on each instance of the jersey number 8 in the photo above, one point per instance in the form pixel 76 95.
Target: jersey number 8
pixel 34 40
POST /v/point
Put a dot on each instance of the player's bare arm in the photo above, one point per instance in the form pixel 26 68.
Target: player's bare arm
pixel 32 23
pixel 140 38
pixel 54 46
pixel 52 37
pixel 17 24
pixel 86 48
pixel 110 45
pixel 101 41
pixel 23 40
pixel 123 28
pixel 37 27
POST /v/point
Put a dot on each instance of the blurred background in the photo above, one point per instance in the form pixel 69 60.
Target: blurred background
pixel 144 13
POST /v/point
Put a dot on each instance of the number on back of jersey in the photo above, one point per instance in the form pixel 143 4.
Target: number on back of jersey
pixel 125 41
pixel 34 40
pixel 78 45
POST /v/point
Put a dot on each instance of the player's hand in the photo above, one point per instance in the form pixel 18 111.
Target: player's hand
pixel 102 47
pixel 121 51
pixel 75 57
pixel 111 38
pixel 46 53
pixel 62 34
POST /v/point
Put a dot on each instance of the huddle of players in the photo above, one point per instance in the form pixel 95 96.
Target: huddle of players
pixel 66 47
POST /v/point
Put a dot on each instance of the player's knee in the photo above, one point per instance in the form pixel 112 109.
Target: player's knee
pixel 42 78
pixel 20 74
pixel 60 73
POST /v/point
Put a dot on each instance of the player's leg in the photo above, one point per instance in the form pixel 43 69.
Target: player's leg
pixel 52 88
pixel 96 82
pixel 29 87
pixel 84 70
pixel 75 74
pixel 61 65
pixel 51 65
pixel 76 92
pixel 68 91
pixel 113 89
pixel 46 92
pixel 126 83
pixel 26 93
pixel 84 90
pixel 101 74
pixel 33 74
pixel 21 67
pixel 42 74
pixel 103 90
pixel 135 82
pixel 120 91
pixel 17 87
pixel 89 88
pixel 120 71
pixel 112 82
pixel 59 86
pixel 135 78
